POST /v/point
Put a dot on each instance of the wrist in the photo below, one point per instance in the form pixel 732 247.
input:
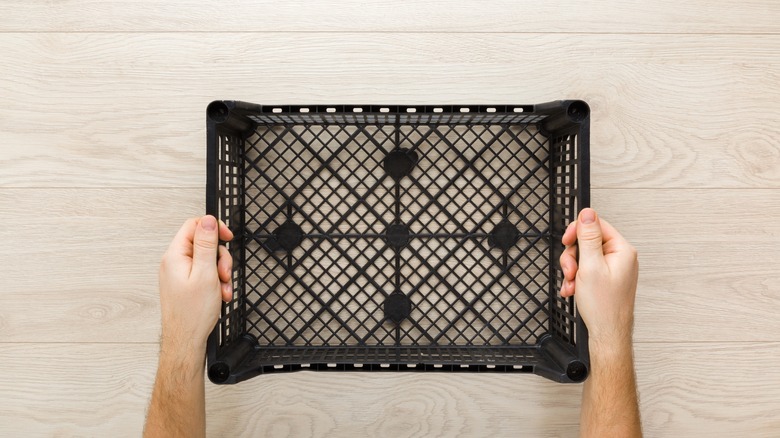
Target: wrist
pixel 182 355
pixel 181 367
pixel 616 347
pixel 614 337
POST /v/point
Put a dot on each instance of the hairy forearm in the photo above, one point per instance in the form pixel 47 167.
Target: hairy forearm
pixel 178 403
pixel 609 399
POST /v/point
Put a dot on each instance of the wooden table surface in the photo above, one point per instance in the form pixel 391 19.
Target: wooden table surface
pixel 102 156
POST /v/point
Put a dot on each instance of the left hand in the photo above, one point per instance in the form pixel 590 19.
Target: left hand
pixel 193 281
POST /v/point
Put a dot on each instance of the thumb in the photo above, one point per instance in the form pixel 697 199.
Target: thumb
pixel 205 244
pixel 589 238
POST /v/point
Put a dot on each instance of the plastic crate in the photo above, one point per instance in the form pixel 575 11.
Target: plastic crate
pixel 397 238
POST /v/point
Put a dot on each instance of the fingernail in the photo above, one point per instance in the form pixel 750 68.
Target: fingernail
pixel 209 223
pixel 588 216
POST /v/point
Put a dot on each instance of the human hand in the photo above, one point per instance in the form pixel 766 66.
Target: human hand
pixel 604 280
pixel 193 279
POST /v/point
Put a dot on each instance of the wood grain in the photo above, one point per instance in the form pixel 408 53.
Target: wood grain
pixel 102 157
pixel 75 389
pixel 87 259
pixel 119 110
pixel 81 265
pixel 708 266
pixel 103 390
pixel 634 16
pixel 709 389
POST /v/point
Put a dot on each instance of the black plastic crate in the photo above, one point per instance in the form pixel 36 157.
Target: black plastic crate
pixel 400 238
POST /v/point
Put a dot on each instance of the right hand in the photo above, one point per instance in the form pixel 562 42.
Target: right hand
pixel 603 281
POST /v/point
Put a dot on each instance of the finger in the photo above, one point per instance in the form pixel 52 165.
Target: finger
pixel 227 291
pixel 181 245
pixel 613 240
pixel 570 236
pixel 589 239
pixel 204 257
pixel 224 232
pixel 224 264
pixel 568 262
pixel 567 289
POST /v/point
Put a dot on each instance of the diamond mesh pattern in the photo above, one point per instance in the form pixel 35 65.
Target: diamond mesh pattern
pixel 330 290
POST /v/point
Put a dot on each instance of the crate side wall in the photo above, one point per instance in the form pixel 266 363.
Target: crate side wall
pixel 566 197
pixel 230 202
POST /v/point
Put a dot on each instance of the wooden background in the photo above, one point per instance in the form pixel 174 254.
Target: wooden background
pixel 102 148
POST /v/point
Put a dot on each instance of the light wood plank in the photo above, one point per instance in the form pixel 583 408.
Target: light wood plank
pixel 708 266
pixel 75 389
pixel 104 389
pixel 102 157
pixel 709 389
pixel 634 16
pixel 87 259
pixel 96 110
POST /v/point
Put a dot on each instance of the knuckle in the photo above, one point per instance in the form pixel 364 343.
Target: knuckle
pixel 590 242
pixel 164 262
pixel 589 236
pixel 225 268
pixel 206 244
pixel 632 251
pixel 224 256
